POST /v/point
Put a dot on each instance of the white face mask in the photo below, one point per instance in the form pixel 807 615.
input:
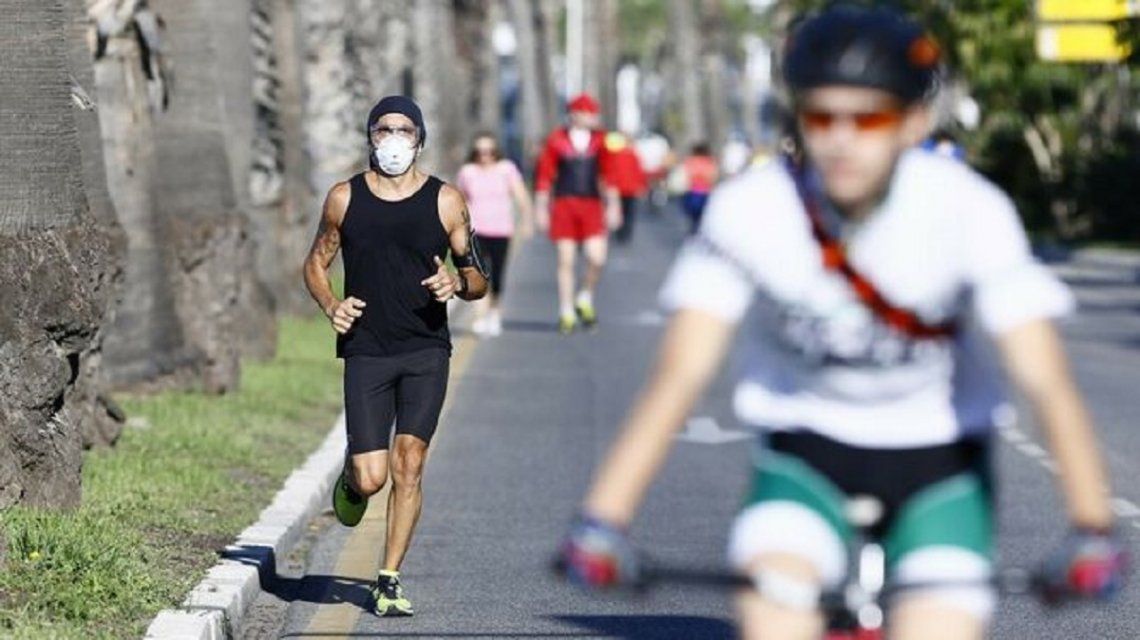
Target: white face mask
pixel 394 155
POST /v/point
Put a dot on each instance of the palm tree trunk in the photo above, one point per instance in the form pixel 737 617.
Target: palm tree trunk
pixel 490 105
pixel 686 56
pixel 438 88
pixel 335 139
pixel 602 50
pixel 532 78
pixel 99 418
pixel 715 72
pixel 54 259
pixel 229 23
pixel 145 344
pixel 284 207
pixel 194 185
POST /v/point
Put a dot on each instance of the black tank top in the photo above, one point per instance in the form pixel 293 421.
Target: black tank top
pixel 388 248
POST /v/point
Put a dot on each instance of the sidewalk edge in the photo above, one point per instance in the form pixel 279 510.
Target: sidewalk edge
pixel 213 609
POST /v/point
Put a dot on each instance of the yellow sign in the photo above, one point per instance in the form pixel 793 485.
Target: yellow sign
pixel 1087 9
pixel 1080 43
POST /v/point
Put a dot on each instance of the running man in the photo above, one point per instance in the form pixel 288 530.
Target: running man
pixel 572 165
pixel 395 225
pixel 878 270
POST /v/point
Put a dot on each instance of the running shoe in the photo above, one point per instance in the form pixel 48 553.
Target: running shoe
pixel 479 327
pixel 348 505
pixel 566 325
pixel 586 313
pixel 389 595
pixel 495 325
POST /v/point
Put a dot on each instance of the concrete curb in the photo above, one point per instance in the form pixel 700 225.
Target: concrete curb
pixel 214 608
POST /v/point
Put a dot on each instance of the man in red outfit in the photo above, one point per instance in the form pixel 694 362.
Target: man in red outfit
pixel 629 178
pixel 572 165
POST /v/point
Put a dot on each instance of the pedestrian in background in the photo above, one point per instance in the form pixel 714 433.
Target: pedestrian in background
pixel 701 174
pixel 576 206
pixel 490 183
pixel 629 178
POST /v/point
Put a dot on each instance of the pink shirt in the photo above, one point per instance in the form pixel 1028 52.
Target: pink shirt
pixel 488 193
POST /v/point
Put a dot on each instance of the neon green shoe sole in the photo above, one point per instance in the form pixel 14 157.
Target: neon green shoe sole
pixel 566 325
pixel 587 314
pixel 389 596
pixel 348 505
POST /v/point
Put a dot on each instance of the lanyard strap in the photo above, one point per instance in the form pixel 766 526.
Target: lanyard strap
pixel 835 259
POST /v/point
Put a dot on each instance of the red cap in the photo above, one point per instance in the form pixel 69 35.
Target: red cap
pixel 584 102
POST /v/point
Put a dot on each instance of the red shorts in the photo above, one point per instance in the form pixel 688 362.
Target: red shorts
pixel 574 218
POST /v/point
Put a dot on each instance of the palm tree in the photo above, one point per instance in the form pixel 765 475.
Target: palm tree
pixel 334 137
pixel 99 418
pixel 686 59
pixel 54 258
pixel 145 343
pixel 196 201
pixel 229 24
pixel 535 84
pixel 283 203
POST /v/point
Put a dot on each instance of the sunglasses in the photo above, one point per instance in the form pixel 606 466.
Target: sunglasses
pixel 864 121
pixel 383 131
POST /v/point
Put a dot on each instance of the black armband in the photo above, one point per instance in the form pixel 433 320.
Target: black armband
pixel 473 258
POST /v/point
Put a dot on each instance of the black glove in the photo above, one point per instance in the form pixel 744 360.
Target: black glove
pixel 1088 565
pixel 596 554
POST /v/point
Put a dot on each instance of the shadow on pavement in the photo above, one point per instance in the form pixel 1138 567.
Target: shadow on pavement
pixel 653 627
pixel 532 326
pixel 318 589
pixel 647 627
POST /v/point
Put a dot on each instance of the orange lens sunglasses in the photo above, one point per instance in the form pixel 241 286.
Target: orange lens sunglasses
pixel 863 121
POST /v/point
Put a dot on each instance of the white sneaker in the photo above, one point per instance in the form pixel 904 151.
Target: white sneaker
pixel 495 326
pixel 480 327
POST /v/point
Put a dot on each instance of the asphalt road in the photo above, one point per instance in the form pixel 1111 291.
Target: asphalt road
pixel 532 413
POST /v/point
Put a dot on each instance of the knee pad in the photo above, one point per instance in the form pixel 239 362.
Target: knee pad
pixel 790 528
pixel 966 576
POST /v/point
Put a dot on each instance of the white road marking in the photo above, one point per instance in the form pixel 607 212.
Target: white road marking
pixel 1012 435
pixel 649 318
pixel 706 430
pixel 1124 509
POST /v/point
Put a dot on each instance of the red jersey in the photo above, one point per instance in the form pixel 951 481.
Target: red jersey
pixel 568 172
pixel 625 172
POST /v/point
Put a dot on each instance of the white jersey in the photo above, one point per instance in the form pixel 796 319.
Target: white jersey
pixel 946 244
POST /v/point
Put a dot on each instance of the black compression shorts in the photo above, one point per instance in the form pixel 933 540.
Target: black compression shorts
pixel 407 387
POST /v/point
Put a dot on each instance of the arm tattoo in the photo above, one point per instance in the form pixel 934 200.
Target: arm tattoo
pixel 327 242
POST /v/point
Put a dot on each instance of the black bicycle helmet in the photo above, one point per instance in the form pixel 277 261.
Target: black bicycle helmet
pixel 863 47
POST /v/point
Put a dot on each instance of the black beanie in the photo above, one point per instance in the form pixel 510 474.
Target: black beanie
pixel 402 105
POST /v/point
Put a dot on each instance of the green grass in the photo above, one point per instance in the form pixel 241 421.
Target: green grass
pixel 173 490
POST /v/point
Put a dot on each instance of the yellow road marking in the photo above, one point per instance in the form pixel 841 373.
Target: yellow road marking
pixel 359 558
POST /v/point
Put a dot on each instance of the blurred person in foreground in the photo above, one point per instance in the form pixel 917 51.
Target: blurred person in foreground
pixel 395 225
pixel 629 179
pixel 879 272
pixel 577 207
pixel 491 183
pixel 701 174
